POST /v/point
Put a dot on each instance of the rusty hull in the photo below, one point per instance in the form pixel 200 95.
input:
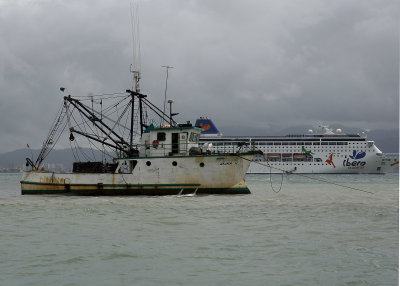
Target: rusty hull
pixel 218 175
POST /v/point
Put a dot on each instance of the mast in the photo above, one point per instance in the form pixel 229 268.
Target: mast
pixel 140 96
pixel 141 113
pixel 135 67
pixel 131 131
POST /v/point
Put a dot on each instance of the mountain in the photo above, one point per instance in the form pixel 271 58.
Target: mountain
pixel 17 158
pixel 386 140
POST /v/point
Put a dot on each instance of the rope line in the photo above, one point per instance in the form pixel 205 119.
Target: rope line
pixel 270 181
pixel 305 176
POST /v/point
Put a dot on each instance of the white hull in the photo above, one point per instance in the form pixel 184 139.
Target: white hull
pixel 220 174
pixel 262 167
pixel 339 164
pixel 305 154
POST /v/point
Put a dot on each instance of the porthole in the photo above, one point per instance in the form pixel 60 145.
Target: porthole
pixel 201 164
pixel 148 163
pixel 174 163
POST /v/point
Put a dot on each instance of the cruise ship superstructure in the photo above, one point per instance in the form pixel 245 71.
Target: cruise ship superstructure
pixel 325 152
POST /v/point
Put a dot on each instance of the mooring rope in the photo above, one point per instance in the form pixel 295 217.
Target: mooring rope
pixel 301 175
pixel 270 177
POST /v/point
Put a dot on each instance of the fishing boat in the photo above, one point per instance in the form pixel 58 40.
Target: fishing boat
pixel 166 160
pixel 322 152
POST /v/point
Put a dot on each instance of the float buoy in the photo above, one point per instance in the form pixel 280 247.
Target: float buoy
pixel 155 143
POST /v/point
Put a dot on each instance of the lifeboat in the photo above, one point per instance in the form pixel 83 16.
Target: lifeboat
pixel 299 156
pixel 274 155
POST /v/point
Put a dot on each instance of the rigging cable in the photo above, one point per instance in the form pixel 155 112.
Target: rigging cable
pixel 305 176
pixel 52 134
pixel 270 178
pixel 112 95
pixel 69 113
pixel 82 126
pixel 75 141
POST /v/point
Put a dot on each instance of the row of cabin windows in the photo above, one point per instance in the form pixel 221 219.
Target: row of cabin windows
pixel 288 143
pixel 289 158
pixel 302 143
pixel 282 143
pixel 286 149
pixel 310 148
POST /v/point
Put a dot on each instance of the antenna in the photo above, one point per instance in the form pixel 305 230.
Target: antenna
pixel 136 78
pixel 136 66
pixel 166 87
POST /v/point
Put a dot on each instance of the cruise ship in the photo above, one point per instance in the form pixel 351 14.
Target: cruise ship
pixel 325 152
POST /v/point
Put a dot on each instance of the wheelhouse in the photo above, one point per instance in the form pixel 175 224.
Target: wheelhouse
pixel 169 141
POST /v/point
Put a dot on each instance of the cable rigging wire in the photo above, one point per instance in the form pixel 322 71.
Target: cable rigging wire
pixel 84 124
pixel 303 175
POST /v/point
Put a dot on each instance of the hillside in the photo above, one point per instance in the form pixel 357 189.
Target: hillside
pixel 386 140
pixel 17 158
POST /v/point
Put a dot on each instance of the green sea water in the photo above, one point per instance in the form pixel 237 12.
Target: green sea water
pixel 308 233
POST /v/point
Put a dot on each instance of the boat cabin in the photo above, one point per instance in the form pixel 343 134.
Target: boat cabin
pixel 169 141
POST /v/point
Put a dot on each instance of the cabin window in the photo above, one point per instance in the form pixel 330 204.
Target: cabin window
pixel 184 136
pixel 194 137
pixel 316 143
pixel 125 167
pixel 161 136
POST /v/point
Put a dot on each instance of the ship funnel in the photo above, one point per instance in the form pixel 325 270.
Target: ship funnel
pixel 208 126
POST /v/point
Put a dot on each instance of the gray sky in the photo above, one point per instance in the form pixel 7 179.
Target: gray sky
pixel 259 65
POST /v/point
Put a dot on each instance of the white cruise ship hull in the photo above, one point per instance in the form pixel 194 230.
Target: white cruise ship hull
pixel 328 153
pixel 345 167
pixel 353 158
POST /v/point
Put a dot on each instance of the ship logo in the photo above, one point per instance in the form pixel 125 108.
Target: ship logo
pixel 330 160
pixel 208 126
pixel 308 152
pixel 357 155
pixel 356 164
pixel 205 126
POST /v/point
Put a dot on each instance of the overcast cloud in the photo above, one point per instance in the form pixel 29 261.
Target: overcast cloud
pixel 262 65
